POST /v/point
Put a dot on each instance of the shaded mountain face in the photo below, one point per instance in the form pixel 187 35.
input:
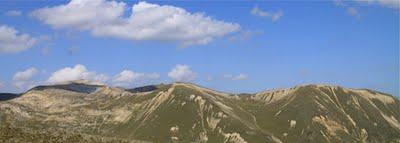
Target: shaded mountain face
pixel 7 96
pixel 183 112
pixel 145 88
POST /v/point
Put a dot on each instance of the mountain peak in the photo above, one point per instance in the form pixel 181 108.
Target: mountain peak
pixel 200 88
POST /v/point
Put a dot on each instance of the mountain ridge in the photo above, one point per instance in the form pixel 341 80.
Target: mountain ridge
pixel 186 112
pixel 89 83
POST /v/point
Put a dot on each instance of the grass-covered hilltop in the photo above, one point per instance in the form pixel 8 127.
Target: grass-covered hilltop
pixel 184 112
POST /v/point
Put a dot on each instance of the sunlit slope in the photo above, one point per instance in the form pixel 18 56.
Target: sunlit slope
pixel 320 113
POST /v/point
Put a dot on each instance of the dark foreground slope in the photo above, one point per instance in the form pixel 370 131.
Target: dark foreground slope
pixel 182 112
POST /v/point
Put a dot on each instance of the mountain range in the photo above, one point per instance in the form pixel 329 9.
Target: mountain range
pixel 185 112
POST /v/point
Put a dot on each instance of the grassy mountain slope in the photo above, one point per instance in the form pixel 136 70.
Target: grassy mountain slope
pixel 318 113
pixel 183 112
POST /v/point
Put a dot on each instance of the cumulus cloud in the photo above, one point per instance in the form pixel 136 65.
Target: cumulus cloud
pixel 274 16
pixel 78 72
pixel 236 77
pixel 13 13
pixel 11 41
pixel 146 22
pixel 128 77
pixel 81 14
pixel 167 23
pixel 23 79
pixel 26 74
pixel 182 73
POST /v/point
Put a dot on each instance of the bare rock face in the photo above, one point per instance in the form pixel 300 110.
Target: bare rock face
pixel 183 112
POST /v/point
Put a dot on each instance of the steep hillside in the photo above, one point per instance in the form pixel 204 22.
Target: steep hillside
pixel 183 112
pixel 320 113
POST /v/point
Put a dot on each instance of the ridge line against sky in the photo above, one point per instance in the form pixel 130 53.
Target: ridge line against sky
pixel 248 48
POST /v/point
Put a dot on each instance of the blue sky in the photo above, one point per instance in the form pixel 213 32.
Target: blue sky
pixel 229 46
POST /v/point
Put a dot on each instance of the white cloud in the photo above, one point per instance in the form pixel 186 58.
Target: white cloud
pixel 353 11
pixel 274 16
pixel 386 3
pixel 23 79
pixel 13 13
pixel 127 77
pixel 182 73
pixel 236 77
pixel 81 14
pixel 167 23
pixel 78 72
pixel 240 77
pixel 11 41
pixel 26 74
pixel 146 22
pixel 245 35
